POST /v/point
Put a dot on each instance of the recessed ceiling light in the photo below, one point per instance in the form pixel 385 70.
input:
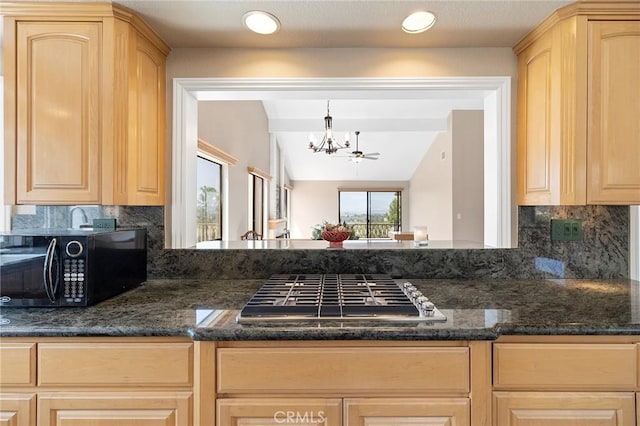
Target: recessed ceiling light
pixel 261 22
pixel 418 22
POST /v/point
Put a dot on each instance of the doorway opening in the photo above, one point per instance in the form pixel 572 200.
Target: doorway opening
pixel 496 95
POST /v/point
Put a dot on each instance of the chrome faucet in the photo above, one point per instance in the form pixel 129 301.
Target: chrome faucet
pixel 84 217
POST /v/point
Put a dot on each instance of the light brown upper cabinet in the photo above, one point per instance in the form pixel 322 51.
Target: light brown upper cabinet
pixel 579 107
pixel 84 105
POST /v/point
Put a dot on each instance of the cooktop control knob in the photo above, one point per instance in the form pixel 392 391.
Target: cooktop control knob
pixel 427 306
pixel 422 299
pixel 408 287
pixel 74 248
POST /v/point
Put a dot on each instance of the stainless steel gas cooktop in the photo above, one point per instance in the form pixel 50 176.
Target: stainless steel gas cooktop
pixel 286 297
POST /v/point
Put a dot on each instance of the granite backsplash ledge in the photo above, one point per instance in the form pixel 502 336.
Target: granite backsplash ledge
pixel 603 253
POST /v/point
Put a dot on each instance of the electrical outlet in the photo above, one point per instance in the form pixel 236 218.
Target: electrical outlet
pixel 576 230
pixel 566 230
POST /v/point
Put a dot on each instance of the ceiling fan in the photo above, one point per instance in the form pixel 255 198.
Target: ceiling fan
pixel 357 155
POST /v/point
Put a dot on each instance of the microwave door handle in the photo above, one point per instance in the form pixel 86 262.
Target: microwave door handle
pixel 45 278
pixel 53 285
pixel 47 271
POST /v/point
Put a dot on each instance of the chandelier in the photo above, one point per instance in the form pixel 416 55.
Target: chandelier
pixel 328 145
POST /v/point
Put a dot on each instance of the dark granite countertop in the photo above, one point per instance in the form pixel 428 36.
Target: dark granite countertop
pixel 476 310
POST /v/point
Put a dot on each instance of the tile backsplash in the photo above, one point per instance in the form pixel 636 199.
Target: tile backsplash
pixel 151 218
pixel 603 253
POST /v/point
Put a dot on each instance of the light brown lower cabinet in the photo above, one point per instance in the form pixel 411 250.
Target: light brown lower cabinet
pixel 582 381
pixel 349 383
pixel 96 382
pixel 73 408
pixel 114 409
pixel 17 409
pixel 356 411
pixel 564 409
pixel 516 381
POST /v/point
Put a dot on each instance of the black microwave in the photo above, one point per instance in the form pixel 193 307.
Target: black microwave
pixel 69 267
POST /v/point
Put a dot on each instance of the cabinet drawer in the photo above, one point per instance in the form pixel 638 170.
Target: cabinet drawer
pixel 17 364
pixel 104 364
pixel 325 370
pixel 564 366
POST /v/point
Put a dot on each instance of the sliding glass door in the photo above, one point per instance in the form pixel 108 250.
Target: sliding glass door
pixel 371 214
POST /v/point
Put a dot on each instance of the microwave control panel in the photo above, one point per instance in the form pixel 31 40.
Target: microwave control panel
pixel 73 271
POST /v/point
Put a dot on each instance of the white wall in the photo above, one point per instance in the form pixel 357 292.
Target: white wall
pixel 492 199
pixel 430 189
pixel 240 128
pixel 345 62
pixel 468 175
pixel 447 188
pixel 313 202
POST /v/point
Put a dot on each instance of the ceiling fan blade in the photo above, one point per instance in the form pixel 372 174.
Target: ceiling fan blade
pixel 369 158
pixel 372 153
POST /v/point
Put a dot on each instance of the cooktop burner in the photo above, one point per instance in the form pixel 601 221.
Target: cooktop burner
pixel 287 297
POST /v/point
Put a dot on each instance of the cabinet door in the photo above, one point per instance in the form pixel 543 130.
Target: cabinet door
pixel 614 113
pixel 278 411
pixel 406 411
pixel 58 112
pixel 18 363
pixel 17 409
pixel 114 409
pixel 564 409
pixel 535 175
pixel 146 127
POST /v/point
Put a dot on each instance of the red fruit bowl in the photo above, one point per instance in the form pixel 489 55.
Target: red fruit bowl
pixel 335 238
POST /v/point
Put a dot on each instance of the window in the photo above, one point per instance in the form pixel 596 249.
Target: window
pixel 257 203
pixel 208 200
pixel 371 214
pixel 287 205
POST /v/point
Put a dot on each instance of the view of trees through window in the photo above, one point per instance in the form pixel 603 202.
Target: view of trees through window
pixel 371 214
pixel 208 201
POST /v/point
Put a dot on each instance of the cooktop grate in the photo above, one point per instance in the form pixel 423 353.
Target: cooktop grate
pixel 332 296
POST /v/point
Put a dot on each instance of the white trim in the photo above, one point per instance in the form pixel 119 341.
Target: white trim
pixel 215 152
pixel 503 146
pixel 184 149
pixel 186 92
pixel 250 198
pixel 266 199
pixel 634 243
